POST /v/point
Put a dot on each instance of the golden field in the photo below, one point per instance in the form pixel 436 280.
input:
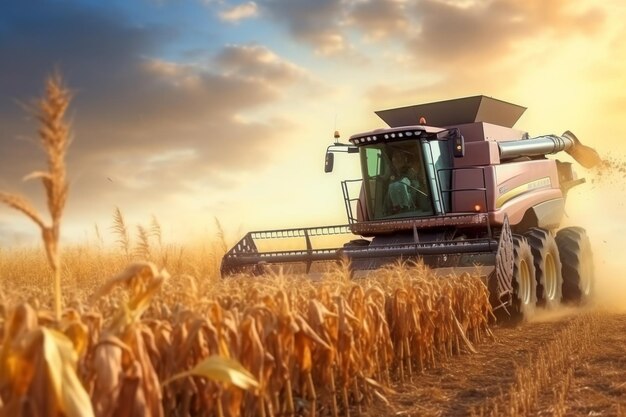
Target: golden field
pixel 146 328
pixel 325 347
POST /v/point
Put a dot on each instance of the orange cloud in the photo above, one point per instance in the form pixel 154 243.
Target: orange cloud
pixel 240 12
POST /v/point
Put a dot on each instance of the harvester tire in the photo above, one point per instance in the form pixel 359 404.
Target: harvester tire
pixel 524 298
pixel 547 263
pixel 577 262
pixel 357 243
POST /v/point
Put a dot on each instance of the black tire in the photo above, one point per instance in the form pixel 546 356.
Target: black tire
pixel 577 264
pixel 547 262
pixel 357 243
pixel 524 299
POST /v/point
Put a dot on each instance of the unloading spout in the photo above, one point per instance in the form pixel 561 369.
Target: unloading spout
pixel 584 155
pixel 551 144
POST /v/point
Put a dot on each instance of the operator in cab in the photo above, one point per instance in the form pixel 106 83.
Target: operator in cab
pixel 405 188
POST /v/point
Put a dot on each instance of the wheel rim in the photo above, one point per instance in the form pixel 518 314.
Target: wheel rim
pixel 551 280
pixel 524 283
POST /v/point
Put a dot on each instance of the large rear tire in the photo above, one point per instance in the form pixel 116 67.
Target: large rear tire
pixel 547 262
pixel 524 298
pixel 577 261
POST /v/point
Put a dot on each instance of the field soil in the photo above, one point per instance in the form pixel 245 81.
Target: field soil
pixel 571 362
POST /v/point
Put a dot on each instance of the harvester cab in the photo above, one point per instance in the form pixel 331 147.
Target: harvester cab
pixel 405 172
pixel 453 185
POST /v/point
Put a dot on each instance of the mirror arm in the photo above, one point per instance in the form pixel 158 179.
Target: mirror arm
pixel 329 160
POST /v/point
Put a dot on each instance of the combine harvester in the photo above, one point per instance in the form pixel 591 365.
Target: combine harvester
pixel 452 184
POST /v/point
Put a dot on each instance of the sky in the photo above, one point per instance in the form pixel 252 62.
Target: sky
pixel 197 110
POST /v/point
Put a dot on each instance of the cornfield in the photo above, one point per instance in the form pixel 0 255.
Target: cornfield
pixel 317 348
pixel 147 342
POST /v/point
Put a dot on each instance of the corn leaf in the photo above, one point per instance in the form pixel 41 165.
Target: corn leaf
pixel 61 360
pixel 217 368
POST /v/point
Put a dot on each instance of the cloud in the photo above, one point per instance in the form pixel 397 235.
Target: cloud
pixel 184 123
pixel 316 23
pixel 468 48
pixel 240 12
pixel 450 34
pixel 440 34
pixel 256 62
pixel 379 19
pixel 146 128
pixel 88 44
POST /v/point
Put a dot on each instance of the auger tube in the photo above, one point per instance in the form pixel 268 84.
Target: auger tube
pixel 550 144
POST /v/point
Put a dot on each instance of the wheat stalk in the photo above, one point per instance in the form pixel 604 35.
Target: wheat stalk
pixel 155 230
pixel 119 227
pixel 99 238
pixel 221 236
pixel 142 249
pixel 55 136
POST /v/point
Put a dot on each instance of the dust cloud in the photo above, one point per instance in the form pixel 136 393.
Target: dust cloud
pixel 600 207
pixel 542 315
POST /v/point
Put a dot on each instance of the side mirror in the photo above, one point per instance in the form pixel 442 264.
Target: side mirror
pixel 329 162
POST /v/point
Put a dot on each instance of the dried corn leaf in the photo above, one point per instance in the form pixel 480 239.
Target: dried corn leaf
pixel 148 380
pixel 43 362
pixel 78 333
pixel 61 361
pixel 461 333
pixel 303 327
pixel 144 281
pixel 22 320
pixel 220 369
pixel 108 366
